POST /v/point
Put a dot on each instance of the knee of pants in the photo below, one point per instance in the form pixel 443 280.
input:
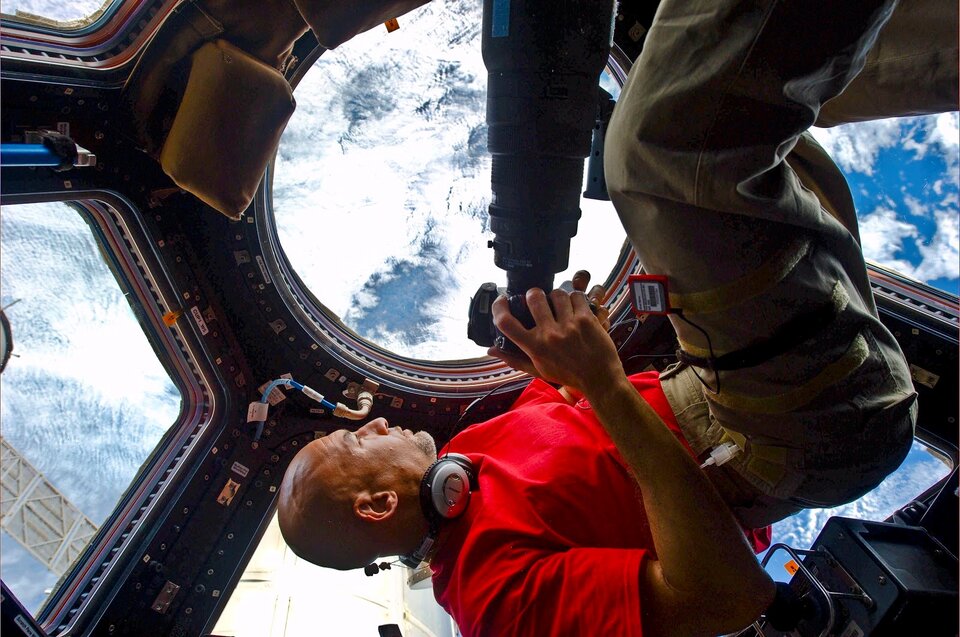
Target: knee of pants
pixel 617 159
pixel 640 154
pixel 649 158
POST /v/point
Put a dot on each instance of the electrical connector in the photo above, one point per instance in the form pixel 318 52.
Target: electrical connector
pixel 364 404
pixel 721 454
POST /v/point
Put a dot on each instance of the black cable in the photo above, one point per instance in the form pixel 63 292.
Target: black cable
pixel 455 428
pixel 678 312
pixel 372 569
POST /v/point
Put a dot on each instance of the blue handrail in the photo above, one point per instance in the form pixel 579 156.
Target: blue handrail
pixel 27 155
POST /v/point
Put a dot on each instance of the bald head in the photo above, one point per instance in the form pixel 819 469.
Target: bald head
pixel 314 507
pixel 351 497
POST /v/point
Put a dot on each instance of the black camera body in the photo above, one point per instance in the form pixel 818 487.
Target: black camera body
pixel 480 327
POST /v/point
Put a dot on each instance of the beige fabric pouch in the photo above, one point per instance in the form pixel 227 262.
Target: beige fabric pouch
pixel 227 127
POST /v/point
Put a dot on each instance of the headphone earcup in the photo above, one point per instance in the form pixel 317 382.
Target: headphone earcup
pixel 444 494
pixel 445 488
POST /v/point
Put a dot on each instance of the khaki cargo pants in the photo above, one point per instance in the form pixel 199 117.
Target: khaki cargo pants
pixel 721 189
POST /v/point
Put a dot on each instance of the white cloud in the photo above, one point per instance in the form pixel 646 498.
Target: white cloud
pixel 914 205
pixel 386 153
pixel 943 137
pixel 948 131
pixel 947 134
pixel 55 9
pixel 882 236
pixel 855 147
pixel 941 257
pixel 73 318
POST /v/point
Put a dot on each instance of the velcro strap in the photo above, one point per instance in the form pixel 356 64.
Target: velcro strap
pixel 801 394
pixel 800 328
pixel 748 286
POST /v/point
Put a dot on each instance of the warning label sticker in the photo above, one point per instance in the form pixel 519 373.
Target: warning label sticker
pixel 198 317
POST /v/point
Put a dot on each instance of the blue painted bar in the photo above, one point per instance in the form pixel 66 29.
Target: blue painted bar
pixel 27 155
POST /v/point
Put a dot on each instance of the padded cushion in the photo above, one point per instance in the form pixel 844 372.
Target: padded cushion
pixel 335 21
pixel 153 89
pixel 227 127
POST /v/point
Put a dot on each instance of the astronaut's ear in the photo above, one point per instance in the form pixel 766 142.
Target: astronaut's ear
pixel 375 507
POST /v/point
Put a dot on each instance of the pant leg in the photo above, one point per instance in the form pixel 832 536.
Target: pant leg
pixel 911 70
pixel 696 164
pixel 751 506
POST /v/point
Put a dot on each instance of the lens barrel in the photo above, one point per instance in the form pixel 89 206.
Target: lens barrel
pixel 543 59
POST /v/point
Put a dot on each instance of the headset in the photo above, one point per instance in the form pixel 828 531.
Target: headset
pixel 444 495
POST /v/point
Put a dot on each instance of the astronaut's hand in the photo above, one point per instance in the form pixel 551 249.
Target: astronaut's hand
pixel 579 283
pixel 568 345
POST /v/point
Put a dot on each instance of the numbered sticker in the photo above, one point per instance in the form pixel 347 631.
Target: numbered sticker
pixel 648 293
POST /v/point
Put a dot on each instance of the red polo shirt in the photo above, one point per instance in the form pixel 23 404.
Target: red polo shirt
pixel 554 538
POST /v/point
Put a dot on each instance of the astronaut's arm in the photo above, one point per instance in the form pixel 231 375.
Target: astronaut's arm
pixel 702 553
